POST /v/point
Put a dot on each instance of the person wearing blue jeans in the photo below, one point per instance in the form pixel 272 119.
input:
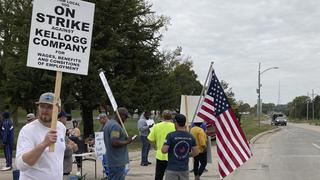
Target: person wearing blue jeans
pixel 144 130
pixel 145 151
pixel 117 173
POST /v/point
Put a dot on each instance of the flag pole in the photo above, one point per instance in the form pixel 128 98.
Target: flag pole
pixel 187 113
pixel 203 91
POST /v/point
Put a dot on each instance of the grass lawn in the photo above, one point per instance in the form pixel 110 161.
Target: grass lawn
pixel 250 126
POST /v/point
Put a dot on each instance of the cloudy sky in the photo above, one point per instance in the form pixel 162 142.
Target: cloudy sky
pixel 239 34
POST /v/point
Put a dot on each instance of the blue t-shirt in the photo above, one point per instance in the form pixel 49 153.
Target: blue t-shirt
pixel 180 144
pixel 117 156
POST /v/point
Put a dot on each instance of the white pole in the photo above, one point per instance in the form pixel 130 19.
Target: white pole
pixel 203 90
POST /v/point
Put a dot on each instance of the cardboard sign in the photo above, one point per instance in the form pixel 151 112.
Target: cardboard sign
pixel 99 148
pixel 60 35
pixel 188 108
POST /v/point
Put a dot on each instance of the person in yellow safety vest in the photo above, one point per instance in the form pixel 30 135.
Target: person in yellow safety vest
pixel 158 135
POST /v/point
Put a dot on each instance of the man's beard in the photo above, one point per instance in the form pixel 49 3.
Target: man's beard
pixel 45 118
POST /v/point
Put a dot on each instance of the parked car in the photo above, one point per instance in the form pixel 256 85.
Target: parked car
pixel 281 121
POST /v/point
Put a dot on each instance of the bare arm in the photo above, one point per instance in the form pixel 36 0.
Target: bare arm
pixel 165 149
pixel 194 151
pixel 32 156
pixel 72 145
pixel 119 143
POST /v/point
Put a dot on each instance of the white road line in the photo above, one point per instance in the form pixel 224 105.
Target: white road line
pixel 315 145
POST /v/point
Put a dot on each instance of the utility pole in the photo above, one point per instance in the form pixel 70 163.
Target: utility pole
pixel 312 104
pixel 259 97
pixel 279 94
pixel 295 111
pixel 308 106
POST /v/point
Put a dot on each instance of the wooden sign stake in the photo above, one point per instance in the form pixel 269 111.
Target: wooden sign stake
pixel 56 104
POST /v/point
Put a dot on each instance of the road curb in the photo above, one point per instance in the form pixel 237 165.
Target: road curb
pixel 258 136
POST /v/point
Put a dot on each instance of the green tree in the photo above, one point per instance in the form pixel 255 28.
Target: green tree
pixel 268 107
pixel 316 102
pixel 125 41
pixel 229 93
pixel 298 107
pixel 180 78
pixel 19 84
pixel 243 107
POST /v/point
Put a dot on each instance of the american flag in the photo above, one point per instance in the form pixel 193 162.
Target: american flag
pixel 232 147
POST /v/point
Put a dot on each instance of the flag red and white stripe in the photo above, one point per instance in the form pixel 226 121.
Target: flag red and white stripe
pixel 232 146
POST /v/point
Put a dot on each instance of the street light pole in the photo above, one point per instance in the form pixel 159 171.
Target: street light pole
pixel 308 107
pixel 259 108
pixel 312 104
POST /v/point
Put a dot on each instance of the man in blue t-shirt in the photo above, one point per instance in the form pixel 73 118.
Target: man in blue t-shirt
pixel 178 145
pixel 116 143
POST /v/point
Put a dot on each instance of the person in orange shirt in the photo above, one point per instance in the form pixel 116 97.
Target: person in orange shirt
pixel 201 141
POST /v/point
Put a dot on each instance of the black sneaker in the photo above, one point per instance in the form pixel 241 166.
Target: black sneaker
pixel 149 162
pixel 143 164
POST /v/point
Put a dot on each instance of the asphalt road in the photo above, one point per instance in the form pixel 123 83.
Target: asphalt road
pixel 293 153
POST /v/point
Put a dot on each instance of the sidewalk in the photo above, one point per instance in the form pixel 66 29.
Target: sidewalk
pixel 136 172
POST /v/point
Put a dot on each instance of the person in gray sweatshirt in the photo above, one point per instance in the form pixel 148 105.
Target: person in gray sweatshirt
pixel 144 130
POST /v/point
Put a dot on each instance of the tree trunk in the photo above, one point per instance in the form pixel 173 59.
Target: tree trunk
pixel 87 119
pixel 67 108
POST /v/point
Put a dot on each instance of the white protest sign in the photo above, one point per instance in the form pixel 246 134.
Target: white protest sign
pixel 150 122
pixel 108 90
pixel 99 148
pixel 60 35
pixel 188 108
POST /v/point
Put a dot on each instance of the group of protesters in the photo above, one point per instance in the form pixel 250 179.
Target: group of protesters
pixel 174 144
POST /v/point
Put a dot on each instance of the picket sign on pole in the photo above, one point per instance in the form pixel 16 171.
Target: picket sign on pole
pixel 57 90
pixel 111 98
pixel 57 44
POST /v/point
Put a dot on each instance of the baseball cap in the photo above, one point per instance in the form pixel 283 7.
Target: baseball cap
pixel 101 115
pixel 167 114
pixel 124 111
pixel 30 116
pixel 62 114
pixel 47 98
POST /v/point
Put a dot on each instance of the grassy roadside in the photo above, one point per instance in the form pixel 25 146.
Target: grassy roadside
pixel 249 124
pixel 314 122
